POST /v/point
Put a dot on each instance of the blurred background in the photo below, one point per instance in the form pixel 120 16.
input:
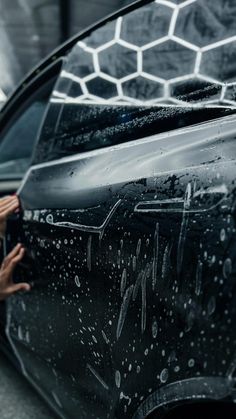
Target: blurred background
pixel 31 29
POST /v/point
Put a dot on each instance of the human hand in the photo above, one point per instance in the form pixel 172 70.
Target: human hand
pixel 8 206
pixel 7 286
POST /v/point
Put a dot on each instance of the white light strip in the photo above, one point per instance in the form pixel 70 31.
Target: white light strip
pixel 140 50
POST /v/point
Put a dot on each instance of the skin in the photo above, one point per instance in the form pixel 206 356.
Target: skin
pixel 8 206
pixel 7 286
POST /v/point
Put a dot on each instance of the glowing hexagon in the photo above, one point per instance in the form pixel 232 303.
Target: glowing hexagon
pixel 205 22
pixel 169 60
pixel 219 63
pixel 146 24
pixel 101 87
pixel 177 1
pixel 101 36
pixel 143 89
pixel 118 61
pixel 194 90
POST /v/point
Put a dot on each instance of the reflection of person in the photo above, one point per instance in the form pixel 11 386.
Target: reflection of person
pixel 8 206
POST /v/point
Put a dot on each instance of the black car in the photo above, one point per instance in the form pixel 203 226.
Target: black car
pixel 128 137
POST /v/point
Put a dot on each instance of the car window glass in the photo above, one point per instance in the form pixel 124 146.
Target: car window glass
pixel 141 74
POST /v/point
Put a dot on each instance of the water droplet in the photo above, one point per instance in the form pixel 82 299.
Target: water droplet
pixel 191 363
pixel 117 379
pixel 227 268
pixel 77 282
pixel 20 334
pixel 27 337
pixel 164 375
pixel 154 328
pixel 211 306
pixel 222 235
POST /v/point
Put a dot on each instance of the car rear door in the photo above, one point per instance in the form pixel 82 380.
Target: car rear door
pixel 129 224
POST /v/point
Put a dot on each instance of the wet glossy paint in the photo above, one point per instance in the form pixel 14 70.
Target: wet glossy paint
pixel 133 276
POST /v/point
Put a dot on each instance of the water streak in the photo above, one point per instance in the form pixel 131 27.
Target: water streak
pixel 105 337
pixel 123 282
pixel 123 310
pixel 138 248
pixel 137 284
pixel 89 253
pixel 198 284
pixel 166 260
pixel 155 256
pixel 102 382
pixel 144 303
pixel 183 229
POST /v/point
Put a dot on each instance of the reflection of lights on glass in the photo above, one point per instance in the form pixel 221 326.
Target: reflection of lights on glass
pixel 89 63
pixel 2 96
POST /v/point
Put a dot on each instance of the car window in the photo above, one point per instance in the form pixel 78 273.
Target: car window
pixel 17 140
pixel 138 75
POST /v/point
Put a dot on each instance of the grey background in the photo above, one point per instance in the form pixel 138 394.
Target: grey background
pixel 31 29
pixel 17 399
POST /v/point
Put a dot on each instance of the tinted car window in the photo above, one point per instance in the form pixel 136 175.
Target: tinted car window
pixel 139 75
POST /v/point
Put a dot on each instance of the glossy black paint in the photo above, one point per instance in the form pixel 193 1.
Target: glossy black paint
pixel 133 280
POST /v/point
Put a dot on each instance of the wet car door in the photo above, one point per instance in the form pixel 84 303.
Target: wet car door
pixel 129 224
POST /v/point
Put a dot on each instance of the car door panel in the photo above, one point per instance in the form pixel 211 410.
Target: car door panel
pixel 131 254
